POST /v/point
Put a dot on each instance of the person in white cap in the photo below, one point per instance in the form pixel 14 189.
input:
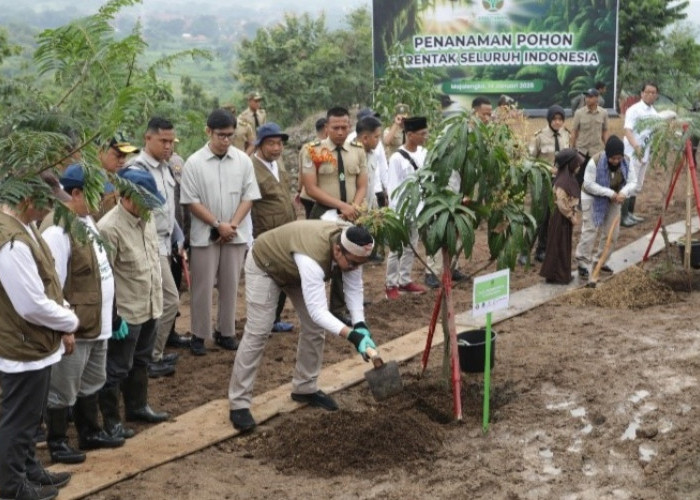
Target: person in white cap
pixel 298 258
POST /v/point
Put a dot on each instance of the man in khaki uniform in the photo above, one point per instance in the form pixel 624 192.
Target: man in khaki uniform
pixel 335 176
pixel 243 135
pixel 254 115
pixel 590 128
pixel 395 136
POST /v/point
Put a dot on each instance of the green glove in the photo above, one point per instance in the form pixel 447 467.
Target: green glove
pixel 361 338
pixel 121 332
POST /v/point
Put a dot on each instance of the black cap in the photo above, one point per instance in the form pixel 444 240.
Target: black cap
pixel 415 123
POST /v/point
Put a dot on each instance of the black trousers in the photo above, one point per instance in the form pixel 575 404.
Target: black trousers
pixel 23 402
pixel 133 350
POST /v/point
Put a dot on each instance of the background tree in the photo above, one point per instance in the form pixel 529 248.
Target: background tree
pixel 642 22
pixel 302 67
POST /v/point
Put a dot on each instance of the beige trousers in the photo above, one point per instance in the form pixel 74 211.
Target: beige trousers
pixel 221 265
pixel 589 233
pixel 261 301
pixel 171 301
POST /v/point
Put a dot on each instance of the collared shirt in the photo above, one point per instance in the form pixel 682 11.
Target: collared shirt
pixel 164 215
pixel 220 184
pixel 401 169
pixel 272 167
pixel 544 146
pixel 590 126
pixel 635 113
pixel 135 264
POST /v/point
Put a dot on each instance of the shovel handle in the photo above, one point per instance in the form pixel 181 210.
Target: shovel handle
pixel 374 356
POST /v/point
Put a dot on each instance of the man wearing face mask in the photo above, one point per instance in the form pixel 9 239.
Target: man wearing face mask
pixel 607 183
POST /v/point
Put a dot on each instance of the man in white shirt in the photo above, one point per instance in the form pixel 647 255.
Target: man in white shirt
pixel 36 329
pixel 298 258
pixel 219 187
pixel 403 164
pixel 637 144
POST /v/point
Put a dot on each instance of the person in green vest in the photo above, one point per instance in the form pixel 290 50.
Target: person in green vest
pixel 88 285
pixel 36 329
pixel 298 258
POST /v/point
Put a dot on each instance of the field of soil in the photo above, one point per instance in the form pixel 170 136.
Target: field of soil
pixel 594 396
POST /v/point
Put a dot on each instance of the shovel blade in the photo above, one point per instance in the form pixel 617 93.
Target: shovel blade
pixel 385 381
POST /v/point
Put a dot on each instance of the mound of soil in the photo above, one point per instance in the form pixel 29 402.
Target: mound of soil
pixel 634 288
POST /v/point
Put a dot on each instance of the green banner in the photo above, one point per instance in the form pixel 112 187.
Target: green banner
pixel 538 52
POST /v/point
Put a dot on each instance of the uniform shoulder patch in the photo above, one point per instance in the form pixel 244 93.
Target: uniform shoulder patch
pixel 356 144
pixel 314 143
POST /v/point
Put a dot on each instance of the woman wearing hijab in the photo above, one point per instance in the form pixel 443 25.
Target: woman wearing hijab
pixel 557 262
pixel 547 142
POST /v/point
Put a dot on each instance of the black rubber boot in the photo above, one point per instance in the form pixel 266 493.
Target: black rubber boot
pixel 109 406
pixel 57 439
pixel 135 389
pixel 90 435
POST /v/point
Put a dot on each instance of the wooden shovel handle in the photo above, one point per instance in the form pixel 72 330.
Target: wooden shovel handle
pixel 606 250
pixel 374 356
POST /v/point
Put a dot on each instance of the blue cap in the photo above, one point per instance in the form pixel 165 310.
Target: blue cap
pixel 143 179
pixel 73 177
pixel 269 129
pixel 365 112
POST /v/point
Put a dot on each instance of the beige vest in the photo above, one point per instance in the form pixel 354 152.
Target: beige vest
pixel 273 251
pixel 275 206
pixel 19 339
pixel 83 288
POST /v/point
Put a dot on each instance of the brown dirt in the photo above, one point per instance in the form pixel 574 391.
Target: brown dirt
pixel 593 396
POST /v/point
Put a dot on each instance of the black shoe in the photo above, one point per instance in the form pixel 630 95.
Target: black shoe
pixel 119 431
pixel 40 435
pixel 583 272
pixel 170 358
pixel 99 439
pixel 157 369
pixel 458 276
pixel 539 255
pixel 28 491
pixel 179 341
pixel 432 281
pixel 46 478
pixel 62 453
pixel 146 414
pixel 197 346
pixel 228 343
pixel 607 269
pixel 318 399
pixel 242 420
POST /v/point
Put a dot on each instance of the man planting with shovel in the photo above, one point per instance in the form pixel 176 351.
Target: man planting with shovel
pixel 297 258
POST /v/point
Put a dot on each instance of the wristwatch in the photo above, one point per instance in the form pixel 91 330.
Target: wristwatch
pixel 216 224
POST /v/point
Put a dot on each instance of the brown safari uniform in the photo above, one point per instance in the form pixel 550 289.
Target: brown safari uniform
pixel 243 135
pixel 590 126
pixel 247 117
pixel 327 175
pixel 543 145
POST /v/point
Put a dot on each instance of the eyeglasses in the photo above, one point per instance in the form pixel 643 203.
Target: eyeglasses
pixel 351 264
pixel 224 136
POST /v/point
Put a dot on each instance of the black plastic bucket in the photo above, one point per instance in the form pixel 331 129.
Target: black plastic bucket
pixel 472 350
pixel 694 252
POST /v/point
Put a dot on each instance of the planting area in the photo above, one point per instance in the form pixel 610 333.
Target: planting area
pixel 594 395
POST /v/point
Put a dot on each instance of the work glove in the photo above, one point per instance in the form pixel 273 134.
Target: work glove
pixel 361 338
pixel 119 328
